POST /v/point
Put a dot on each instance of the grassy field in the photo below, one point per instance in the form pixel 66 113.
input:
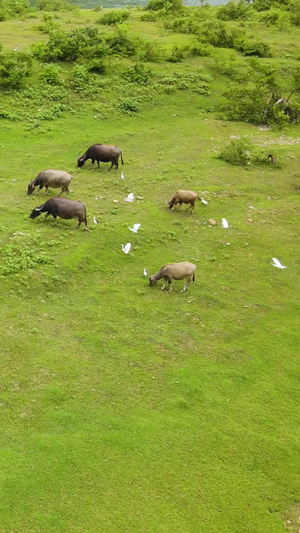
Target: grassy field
pixel 125 408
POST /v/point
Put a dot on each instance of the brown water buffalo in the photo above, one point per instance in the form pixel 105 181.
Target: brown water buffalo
pixel 183 197
pixel 103 153
pixel 51 178
pixel 63 208
pixel 175 271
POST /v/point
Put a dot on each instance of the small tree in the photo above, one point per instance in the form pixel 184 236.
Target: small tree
pixel 14 67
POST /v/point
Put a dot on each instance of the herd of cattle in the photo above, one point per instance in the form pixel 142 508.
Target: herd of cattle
pixel 68 209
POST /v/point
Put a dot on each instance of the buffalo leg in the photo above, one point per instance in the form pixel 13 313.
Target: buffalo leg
pixel 170 285
pixel 188 281
pixel 112 164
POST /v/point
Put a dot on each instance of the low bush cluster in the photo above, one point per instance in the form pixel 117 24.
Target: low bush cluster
pixel 14 8
pixel 51 74
pixel 86 44
pixel 137 73
pixel 55 5
pixel 196 82
pixel 71 45
pixel 252 48
pixel 257 97
pixel 113 17
pixel 165 6
pixel 238 152
pixel 14 68
pixel 234 11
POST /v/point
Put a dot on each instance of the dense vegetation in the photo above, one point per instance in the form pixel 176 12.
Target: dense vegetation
pixel 125 408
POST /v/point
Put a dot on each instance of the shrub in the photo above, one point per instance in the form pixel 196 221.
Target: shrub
pixel 201 50
pixel 234 11
pixel 48 24
pixel 124 43
pixel 238 152
pixel 79 78
pixel 137 74
pixel 245 103
pixel 177 54
pixel 51 74
pixel 219 34
pixel 166 5
pixel 97 65
pixel 121 42
pixel 252 48
pixel 151 16
pixel 14 67
pixel 71 45
pixel 183 25
pixel 114 17
pixel 13 8
pixel 129 106
pixel 55 5
pixel 265 5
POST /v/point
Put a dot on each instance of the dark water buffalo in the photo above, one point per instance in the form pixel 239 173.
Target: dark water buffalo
pixel 103 153
pixel 51 178
pixel 63 208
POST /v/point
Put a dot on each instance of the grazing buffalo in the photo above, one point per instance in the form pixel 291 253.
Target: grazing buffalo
pixel 183 197
pixel 63 208
pixel 51 178
pixel 175 271
pixel 102 153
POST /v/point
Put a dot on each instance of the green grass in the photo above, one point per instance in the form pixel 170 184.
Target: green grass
pixel 125 408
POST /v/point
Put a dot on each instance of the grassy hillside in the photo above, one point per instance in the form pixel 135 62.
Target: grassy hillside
pixel 125 408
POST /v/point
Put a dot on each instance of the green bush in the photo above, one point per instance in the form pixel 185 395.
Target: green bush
pixel 265 5
pixel 48 24
pixel 71 45
pixel 150 16
pixel 177 54
pixel 97 65
pixel 183 25
pixel 201 50
pixel 14 67
pixel 129 106
pixel 79 78
pixel 51 74
pixel 219 34
pixel 234 11
pixel 55 5
pixel 114 17
pixel 123 42
pixel 137 74
pixel 13 8
pixel 252 48
pixel 166 5
pixel 238 152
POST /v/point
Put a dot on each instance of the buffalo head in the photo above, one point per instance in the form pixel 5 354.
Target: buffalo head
pixel 36 212
pixel 152 281
pixel 80 161
pixel 30 188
